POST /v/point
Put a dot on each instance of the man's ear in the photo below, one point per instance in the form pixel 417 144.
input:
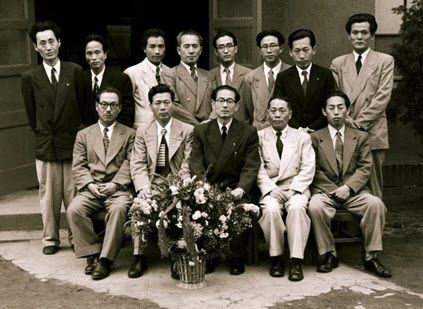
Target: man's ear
pixel 324 112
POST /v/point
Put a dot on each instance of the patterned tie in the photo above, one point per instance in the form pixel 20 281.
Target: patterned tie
pixel 162 167
pixel 53 78
pixel 193 74
pixel 270 80
pixel 106 140
pixel 305 82
pixel 158 75
pixel 279 144
pixel 228 80
pixel 224 134
pixel 96 87
pixel 339 152
pixel 358 64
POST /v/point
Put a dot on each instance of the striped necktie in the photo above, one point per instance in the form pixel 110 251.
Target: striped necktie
pixel 339 152
pixel 106 140
pixel 162 167
pixel 194 74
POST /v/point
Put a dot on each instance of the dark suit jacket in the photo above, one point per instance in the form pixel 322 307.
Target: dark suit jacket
pixel 235 163
pixel 53 117
pixel 306 111
pixel 112 78
pixel 357 162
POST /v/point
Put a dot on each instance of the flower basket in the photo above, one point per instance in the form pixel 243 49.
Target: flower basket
pixel 191 275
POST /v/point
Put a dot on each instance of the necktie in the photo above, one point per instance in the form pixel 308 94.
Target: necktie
pixel 358 64
pixel 158 75
pixel 271 81
pixel 224 134
pixel 228 76
pixel 193 74
pixel 96 87
pixel 279 144
pixel 163 157
pixel 106 140
pixel 305 82
pixel 339 152
pixel 53 78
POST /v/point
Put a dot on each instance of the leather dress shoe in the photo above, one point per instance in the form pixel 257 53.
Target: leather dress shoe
pixel 210 265
pixel 237 266
pixel 328 264
pixel 174 273
pixel 50 249
pixel 277 268
pixel 102 270
pixel 295 270
pixel 376 267
pixel 139 266
pixel 92 261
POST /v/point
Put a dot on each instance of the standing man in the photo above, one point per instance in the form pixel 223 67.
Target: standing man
pixel 306 83
pixel 161 147
pixel 192 85
pixel 98 77
pixel 101 169
pixel 227 72
pixel 49 95
pixel 258 84
pixel 228 149
pixel 367 77
pixel 286 171
pixel 343 167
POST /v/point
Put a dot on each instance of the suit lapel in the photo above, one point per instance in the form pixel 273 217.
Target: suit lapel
pixel 350 73
pixel 350 142
pixel 270 145
pixel 260 86
pixel 313 83
pixel 116 142
pixel 151 142
pixel 44 85
pixel 295 84
pixel 231 143
pixel 214 138
pixel 96 142
pixel 288 151
pixel 327 146
pixel 202 86
pixel 175 137
pixel 237 77
pixel 65 81
pixel 365 73
pixel 147 75
pixel 186 78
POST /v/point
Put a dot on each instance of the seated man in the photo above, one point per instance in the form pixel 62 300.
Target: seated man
pixel 287 169
pixel 343 167
pixel 163 146
pixel 101 171
pixel 228 149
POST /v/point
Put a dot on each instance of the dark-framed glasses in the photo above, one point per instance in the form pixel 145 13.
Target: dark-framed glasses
pixel 222 100
pixel 104 105
pixel 227 46
pixel 271 46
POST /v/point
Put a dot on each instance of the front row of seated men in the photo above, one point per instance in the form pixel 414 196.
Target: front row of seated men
pixel 330 167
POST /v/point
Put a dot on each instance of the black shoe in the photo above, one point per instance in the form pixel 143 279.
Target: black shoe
pixel 50 249
pixel 295 270
pixel 277 268
pixel 237 266
pixel 174 270
pixel 210 265
pixel 139 266
pixel 328 264
pixel 92 261
pixel 376 267
pixel 102 270
pixel 72 247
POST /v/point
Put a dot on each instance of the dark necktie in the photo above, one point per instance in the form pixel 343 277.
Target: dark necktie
pixel 96 87
pixel 358 64
pixel 53 78
pixel 158 75
pixel 279 144
pixel 339 152
pixel 224 134
pixel 162 167
pixel 228 77
pixel 193 74
pixel 270 80
pixel 305 82
pixel 106 140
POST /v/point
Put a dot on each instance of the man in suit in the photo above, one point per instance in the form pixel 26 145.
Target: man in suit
pixel 286 171
pixel 98 77
pixel 227 72
pixel 343 167
pixel 228 149
pixel 161 147
pixel 101 169
pixel 306 83
pixel 367 76
pixel 258 84
pixel 192 85
pixel 49 95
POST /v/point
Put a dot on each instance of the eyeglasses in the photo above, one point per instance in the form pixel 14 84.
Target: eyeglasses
pixel 104 105
pixel 222 100
pixel 271 46
pixel 227 46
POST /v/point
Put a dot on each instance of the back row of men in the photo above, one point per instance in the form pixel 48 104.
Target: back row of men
pixel 58 96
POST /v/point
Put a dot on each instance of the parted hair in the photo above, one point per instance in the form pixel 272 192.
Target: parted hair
pixel 337 93
pixel 189 32
pixel 151 33
pixel 225 87
pixel 98 38
pixel 301 34
pixel 160 88
pixel 362 18
pixel 274 33
pixel 222 34
pixel 43 26
pixel 108 89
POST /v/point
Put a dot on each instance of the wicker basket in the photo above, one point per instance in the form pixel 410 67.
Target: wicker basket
pixel 191 277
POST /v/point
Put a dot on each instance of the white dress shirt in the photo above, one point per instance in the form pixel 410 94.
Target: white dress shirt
pixel 284 131
pixel 332 132
pixel 363 56
pixel 223 73
pixel 275 70
pixel 110 130
pixel 300 73
pixel 48 68
pixel 159 133
pixel 226 125
pixel 99 78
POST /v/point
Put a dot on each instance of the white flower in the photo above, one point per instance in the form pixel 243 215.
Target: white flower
pixel 181 244
pixel 224 235
pixel 179 205
pixel 157 223
pixel 191 263
pixel 204 214
pixel 206 186
pixel 179 225
pixel 196 215
pixel 216 231
pixel 206 223
pixel 199 193
pixel 174 189
pixel 222 218
pixel 201 200
pixel 187 182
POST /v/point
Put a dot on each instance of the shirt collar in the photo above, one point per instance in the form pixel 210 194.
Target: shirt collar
pixel 99 75
pixel 48 68
pixel 226 125
pixel 167 127
pixel 275 70
pixel 188 67
pixel 152 66
pixel 284 131
pixel 332 131
pixel 231 68
pixel 110 128
pixel 363 55
pixel 300 71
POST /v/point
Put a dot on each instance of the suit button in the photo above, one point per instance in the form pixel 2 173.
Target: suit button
pixel 188 99
pixel 262 121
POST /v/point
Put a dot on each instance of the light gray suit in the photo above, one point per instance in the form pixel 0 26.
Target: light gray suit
pixel 237 77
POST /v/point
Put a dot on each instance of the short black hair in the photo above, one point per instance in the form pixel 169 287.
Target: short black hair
pixel 43 26
pixel 274 33
pixel 189 32
pixel 301 34
pixel 98 38
pixel 280 97
pixel 337 94
pixel 222 34
pixel 160 88
pixel 108 89
pixel 151 33
pixel 362 18
pixel 225 87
